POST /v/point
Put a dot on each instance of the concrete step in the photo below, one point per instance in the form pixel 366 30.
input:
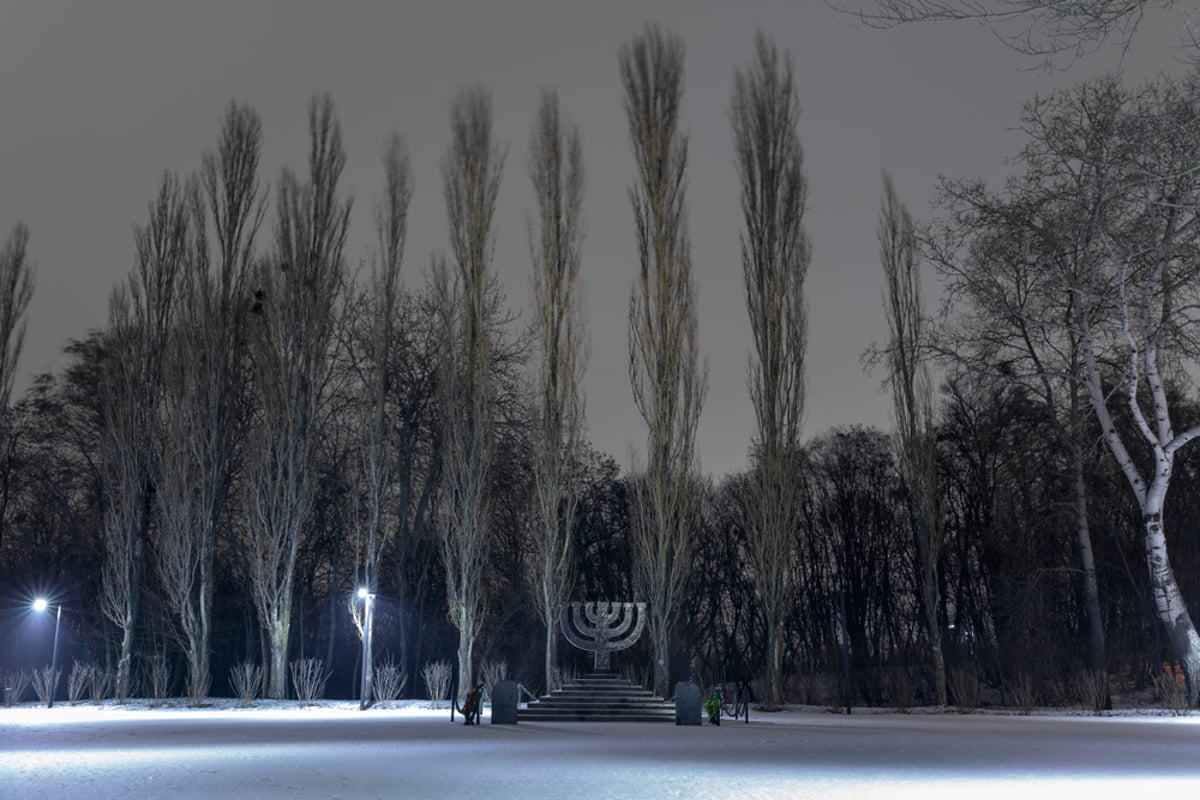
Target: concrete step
pixel 599 698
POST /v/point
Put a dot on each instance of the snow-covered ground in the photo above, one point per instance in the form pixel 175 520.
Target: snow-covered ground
pixel 333 750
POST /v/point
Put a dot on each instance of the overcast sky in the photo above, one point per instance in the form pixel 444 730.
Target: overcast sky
pixel 98 98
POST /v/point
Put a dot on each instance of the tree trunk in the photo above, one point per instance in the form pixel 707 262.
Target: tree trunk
pixel 775 662
pixel 662 658
pixel 278 679
pixel 1168 601
pixel 936 657
pixel 121 686
pixel 466 647
pixel 929 595
pixel 551 657
pixel 204 605
pixel 1097 659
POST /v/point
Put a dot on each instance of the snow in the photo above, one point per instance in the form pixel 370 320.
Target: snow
pixel 334 750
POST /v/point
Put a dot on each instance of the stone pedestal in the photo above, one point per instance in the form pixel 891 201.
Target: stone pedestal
pixel 687 703
pixel 504 703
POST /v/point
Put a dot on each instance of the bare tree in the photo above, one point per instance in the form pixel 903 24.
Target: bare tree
pixel 668 381
pixel 912 402
pixel 1037 27
pixel 775 259
pixel 205 409
pixel 1106 211
pixel 298 289
pixel 140 313
pixel 377 457
pixel 16 290
pixel 1007 264
pixel 1146 265
pixel 556 166
pixel 471 176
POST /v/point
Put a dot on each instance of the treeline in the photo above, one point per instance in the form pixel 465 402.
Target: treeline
pixel 259 431
pixel 1013 610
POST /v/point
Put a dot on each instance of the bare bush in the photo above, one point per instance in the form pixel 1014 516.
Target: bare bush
pixel 1172 693
pixel 437 681
pixel 45 682
pixel 1093 690
pixel 389 681
pixel 1023 692
pixel 247 680
pixel 78 680
pixel 964 684
pixel 16 684
pixel 491 673
pixel 638 675
pixel 308 679
pixel 813 688
pixel 560 676
pixel 158 673
pixel 100 684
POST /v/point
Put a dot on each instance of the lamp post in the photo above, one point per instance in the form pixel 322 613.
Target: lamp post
pixel 368 599
pixel 40 605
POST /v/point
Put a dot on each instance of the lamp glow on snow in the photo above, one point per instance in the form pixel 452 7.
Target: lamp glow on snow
pixel 368 599
pixel 40 604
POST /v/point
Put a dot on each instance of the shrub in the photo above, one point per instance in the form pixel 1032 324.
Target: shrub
pixel 79 679
pixel 1172 693
pixel 388 683
pixel 491 673
pixel 17 684
pixel 308 679
pixel 45 682
pixel 247 679
pixel 1023 692
pixel 100 684
pixel 964 685
pixel 1093 690
pixel 437 681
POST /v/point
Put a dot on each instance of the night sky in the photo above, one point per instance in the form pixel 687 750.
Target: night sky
pixel 99 98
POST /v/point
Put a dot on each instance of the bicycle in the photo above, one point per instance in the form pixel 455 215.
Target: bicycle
pixel 739 707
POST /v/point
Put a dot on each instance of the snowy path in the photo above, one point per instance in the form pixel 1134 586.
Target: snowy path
pixel 98 754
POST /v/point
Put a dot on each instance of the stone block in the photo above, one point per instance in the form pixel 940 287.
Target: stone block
pixel 504 703
pixel 687 703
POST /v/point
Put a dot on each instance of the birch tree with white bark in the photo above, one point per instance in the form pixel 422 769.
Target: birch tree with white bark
pixel 664 367
pixel 775 258
pixel 1112 196
pixel 555 244
pixel 1147 251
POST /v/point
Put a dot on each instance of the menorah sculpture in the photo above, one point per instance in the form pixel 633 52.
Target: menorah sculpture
pixel 602 627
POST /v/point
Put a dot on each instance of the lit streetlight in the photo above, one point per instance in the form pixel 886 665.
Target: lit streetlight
pixel 368 599
pixel 40 605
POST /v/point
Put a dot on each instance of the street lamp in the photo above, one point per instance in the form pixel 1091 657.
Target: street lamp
pixel 40 605
pixel 368 599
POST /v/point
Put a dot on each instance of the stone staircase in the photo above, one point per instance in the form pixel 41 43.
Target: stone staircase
pixel 599 697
